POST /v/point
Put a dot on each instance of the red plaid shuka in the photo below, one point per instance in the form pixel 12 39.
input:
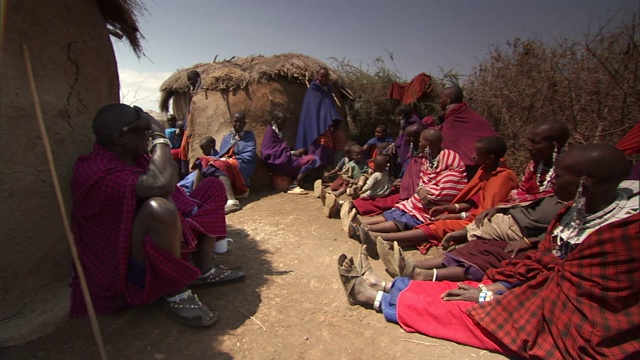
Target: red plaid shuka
pixel 586 306
pixel 443 184
pixel 529 188
pixel 104 206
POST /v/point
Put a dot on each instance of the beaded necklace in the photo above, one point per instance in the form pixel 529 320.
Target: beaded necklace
pixel 544 183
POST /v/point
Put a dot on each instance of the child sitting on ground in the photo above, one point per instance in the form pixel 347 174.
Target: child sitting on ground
pixel 378 184
pixel 355 174
pixel 330 176
pixel 209 152
pixel 381 136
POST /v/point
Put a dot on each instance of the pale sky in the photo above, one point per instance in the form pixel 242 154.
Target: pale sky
pixel 424 36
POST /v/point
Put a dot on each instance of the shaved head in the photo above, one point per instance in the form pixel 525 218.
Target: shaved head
pixel 414 129
pixel 455 94
pixel 113 118
pixel 554 131
pixel 494 145
pixel 601 162
pixel 432 135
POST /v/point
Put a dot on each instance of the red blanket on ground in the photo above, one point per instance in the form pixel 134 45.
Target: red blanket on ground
pixel 490 188
pixel 104 207
pixel 461 129
pixel 583 307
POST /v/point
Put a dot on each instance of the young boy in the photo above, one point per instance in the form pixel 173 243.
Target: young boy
pixel 328 176
pixel 208 146
pixel 381 136
pixel 378 184
pixel 355 174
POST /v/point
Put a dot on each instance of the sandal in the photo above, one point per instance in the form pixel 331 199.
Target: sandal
pixel 366 239
pixel 219 275
pixel 330 205
pixel 354 232
pixel 348 279
pixel 190 313
pixel 317 188
pixel 409 267
pixel 387 257
pixel 346 215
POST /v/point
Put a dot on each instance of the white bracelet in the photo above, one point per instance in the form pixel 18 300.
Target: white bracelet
pixel 435 274
pixel 376 302
pixel 463 215
pixel 482 287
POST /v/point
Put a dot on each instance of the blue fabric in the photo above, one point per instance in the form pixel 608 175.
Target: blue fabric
pixel 318 113
pixel 390 300
pixel 396 214
pixel 187 183
pixel 244 150
pixel 172 135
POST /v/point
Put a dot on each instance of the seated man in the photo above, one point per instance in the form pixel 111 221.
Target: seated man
pixel 487 188
pixel 133 226
pixel 576 297
pixel 233 166
pixel 281 159
pixel 442 178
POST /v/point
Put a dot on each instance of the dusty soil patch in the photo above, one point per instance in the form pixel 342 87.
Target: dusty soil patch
pixel 289 251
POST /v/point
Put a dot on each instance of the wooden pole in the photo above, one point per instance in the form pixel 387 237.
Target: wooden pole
pixel 63 212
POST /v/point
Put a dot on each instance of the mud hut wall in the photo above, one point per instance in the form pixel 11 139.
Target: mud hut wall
pixel 212 116
pixel 75 73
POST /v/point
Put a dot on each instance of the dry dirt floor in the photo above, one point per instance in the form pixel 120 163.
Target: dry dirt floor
pixel 291 306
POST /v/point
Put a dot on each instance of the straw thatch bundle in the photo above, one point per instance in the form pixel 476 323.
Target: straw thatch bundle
pixel 256 85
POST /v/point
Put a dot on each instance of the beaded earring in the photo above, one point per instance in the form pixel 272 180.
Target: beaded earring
pixel 579 203
pixel 556 152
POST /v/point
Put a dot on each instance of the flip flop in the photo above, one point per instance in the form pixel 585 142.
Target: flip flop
pixel 398 256
pixel 386 255
pixel 195 315
pixel 366 239
pixel 219 275
pixel 297 190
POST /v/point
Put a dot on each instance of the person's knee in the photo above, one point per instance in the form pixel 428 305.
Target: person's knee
pixel 159 209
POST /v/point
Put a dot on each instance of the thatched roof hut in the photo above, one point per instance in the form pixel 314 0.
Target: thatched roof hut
pixel 75 71
pixel 256 84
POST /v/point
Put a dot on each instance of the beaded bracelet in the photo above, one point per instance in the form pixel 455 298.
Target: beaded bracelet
pixel 463 215
pixel 485 296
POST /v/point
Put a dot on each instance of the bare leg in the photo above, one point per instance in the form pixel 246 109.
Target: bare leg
pixel 404 238
pixel 370 220
pixel 227 188
pixel 455 273
pixel 204 259
pixel 159 218
pixel 384 227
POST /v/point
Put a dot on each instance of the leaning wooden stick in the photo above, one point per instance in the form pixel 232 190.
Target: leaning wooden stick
pixel 63 212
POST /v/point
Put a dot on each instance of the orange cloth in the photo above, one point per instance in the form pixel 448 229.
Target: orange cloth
pixel 492 188
pixel 232 170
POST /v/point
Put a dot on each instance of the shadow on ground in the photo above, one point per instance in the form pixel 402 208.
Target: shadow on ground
pixel 157 336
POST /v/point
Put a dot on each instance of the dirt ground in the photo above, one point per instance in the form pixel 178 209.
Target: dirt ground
pixel 291 305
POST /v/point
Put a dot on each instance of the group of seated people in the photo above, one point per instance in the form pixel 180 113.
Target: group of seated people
pixel 544 267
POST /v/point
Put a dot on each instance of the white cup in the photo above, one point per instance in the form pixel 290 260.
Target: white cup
pixel 222 246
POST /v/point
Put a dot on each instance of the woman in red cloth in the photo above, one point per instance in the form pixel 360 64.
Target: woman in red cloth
pixel 576 297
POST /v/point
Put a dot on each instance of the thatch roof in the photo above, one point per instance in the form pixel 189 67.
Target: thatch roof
pixel 121 17
pixel 238 73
